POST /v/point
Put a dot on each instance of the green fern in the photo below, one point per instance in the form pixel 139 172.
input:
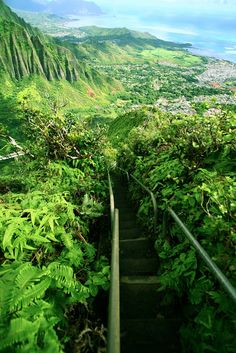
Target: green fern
pixel 20 287
pixel 20 330
pixel 73 256
pixel 45 262
pixel 36 291
pixel 63 276
pixel 51 342
pixel 26 274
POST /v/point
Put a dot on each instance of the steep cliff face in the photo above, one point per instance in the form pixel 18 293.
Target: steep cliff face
pixel 25 51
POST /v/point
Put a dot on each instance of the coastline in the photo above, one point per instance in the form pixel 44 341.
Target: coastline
pixel 203 43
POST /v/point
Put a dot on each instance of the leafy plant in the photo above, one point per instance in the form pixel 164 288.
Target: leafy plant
pixel 188 163
pixel 49 263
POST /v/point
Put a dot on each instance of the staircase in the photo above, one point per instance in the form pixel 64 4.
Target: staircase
pixel 145 326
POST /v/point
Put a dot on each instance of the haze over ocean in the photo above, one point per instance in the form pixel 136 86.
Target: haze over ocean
pixel 210 25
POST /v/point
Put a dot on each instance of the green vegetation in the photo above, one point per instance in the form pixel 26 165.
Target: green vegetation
pixel 188 163
pixel 122 46
pixel 49 269
pixel 120 127
pixel 174 57
pixel 74 103
pixel 146 83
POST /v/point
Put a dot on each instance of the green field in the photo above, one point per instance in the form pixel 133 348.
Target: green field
pixel 177 57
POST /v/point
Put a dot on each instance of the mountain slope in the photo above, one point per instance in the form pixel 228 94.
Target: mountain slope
pixel 25 51
pixel 119 45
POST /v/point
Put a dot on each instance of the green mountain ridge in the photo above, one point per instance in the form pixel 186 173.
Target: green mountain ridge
pixel 117 45
pixel 123 36
pixel 25 51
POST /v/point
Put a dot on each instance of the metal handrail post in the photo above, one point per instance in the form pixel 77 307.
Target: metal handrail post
pixel 113 344
pixel 112 200
pixel 212 265
pixel 113 339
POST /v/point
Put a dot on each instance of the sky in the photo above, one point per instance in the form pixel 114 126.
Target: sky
pixel 185 15
pixel 200 5
pixel 171 7
pixel 127 5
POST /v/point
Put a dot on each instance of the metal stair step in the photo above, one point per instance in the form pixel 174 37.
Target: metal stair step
pixel 132 233
pixel 128 223
pixel 139 296
pixel 136 248
pixel 150 336
pixel 126 216
pixel 143 266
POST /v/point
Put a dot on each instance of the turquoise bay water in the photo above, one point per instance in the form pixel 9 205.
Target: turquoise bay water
pixel 214 39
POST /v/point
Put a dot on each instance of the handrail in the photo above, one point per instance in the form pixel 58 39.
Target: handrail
pixel 112 200
pixel 204 255
pixel 206 258
pixel 154 202
pixel 113 341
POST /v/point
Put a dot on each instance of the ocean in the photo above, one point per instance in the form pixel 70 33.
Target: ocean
pixel 213 41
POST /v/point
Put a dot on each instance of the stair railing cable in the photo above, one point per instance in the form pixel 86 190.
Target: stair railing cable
pixel 113 340
pixel 224 281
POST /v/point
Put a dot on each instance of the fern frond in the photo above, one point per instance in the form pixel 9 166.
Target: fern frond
pixel 20 330
pixel 63 275
pixel 74 256
pixel 67 240
pixel 26 274
pixel 28 296
pixel 35 309
pixel 90 252
pixel 51 342
pixel 20 286
pixel 7 238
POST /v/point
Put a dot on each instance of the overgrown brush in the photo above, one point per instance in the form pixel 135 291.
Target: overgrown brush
pixel 49 266
pixel 189 163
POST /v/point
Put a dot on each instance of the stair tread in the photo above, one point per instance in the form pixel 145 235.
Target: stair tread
pixel 141 239
pixel 139 280
pixel 146 326
pixel 141 266
pixel 136 247
pixel 152 321
pixel 138 263
pixel 147 329
pixel 134 229
pixel 126 216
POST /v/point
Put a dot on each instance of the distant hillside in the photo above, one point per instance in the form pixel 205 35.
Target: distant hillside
pixel 118 45
pixel 125 36
pixel 59 7
pixel 25 51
